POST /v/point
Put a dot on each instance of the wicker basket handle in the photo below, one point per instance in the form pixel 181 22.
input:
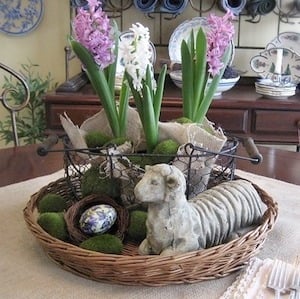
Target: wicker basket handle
pixel 252 150
pixel 45 147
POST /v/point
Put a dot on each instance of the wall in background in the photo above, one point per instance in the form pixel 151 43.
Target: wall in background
pixel 250 38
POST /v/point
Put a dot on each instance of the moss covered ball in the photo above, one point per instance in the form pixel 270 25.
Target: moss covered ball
pixel 117 141
pixel 54 224
pixel 52 203
pixel 96 139
pixel 141 160
pixel 93 183
pixel 183 120
pixel 168 148
pixel 105 243
pixel 137 225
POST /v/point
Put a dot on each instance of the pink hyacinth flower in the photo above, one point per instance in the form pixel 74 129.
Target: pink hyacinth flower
pixel 218 39
pixel 93 30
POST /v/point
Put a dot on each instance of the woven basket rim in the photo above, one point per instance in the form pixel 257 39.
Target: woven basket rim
pixel 66 254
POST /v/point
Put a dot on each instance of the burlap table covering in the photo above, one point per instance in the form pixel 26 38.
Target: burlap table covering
pixel 26 272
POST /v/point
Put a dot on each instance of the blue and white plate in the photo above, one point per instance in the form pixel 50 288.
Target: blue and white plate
pixel 264 64
pixel 224 84
pixel 288 40
pixel 183 31
pixel 19 17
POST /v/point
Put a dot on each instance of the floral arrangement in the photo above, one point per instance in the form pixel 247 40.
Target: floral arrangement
pixel 203 57
pixel 97 45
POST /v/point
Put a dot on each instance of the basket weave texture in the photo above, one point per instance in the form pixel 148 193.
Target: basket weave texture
pixel 130 268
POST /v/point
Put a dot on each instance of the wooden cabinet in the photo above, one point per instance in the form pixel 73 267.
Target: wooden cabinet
pixel 240 112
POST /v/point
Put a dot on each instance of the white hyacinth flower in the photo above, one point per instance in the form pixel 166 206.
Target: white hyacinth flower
pixel 136 55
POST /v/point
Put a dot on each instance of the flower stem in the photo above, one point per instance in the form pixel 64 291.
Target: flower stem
pixel 99 82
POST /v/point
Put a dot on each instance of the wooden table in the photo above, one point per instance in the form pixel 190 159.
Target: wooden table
pixel 277 164
pixel 23 163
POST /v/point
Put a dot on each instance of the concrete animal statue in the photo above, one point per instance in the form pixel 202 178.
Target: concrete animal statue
pixel 175 225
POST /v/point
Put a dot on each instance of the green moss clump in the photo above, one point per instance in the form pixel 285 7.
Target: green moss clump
pixel 54 224
pixel 105 243
pixel 141 160
pixel 165 151
pixel 137 225
pixel 52 203
pixel 183 120
pixel 117 141
pixel 92 183
pixel 96 139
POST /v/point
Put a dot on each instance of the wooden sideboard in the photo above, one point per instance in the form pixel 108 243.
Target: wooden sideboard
pixel 240 112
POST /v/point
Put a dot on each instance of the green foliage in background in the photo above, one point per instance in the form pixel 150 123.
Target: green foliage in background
pixel 31 121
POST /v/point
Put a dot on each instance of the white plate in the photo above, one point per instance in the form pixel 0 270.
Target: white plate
pixel 182 32
pixel 264 64
pixel 224 85
pixel 267 88
pixel 289 40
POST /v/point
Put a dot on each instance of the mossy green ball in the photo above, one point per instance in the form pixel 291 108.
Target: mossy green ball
pixel 93 183
pixel 168 148
pixel 52 203
pixel 137 225
pixel 96 139
pixel 183 120
pixel 54 224
pixel 117 141
pixel 105 243
pixel 141 160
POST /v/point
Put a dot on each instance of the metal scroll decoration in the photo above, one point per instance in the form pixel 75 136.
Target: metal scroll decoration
pixel 5 100
pixel 258 8
pixel 288 10
pixel 145 6
pixel 78 3
pixel 235 7
pixel 19 17
pixel 174 7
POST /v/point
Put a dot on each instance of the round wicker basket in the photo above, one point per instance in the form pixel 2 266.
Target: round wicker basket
pixel 129 268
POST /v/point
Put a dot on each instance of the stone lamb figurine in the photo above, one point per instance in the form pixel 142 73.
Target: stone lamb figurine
pixel 175 225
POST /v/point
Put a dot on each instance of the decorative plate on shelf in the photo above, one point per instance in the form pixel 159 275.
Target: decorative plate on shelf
pixel 182 32
pixel 270 90
pixel 264 64
pixel 18 17
pixel 289 40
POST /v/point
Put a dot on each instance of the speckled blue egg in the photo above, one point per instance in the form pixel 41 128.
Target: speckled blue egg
pixel 98 219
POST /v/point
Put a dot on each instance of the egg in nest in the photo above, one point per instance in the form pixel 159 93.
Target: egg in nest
pixel 98 219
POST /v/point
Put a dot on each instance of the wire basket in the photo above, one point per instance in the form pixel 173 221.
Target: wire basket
pixel 202 168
